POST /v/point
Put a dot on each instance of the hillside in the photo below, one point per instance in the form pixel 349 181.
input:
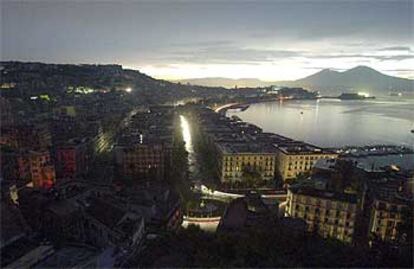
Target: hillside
pixel 22 79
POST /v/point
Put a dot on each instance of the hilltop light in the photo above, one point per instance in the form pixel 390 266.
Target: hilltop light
pixel 365 94
pixel 128 90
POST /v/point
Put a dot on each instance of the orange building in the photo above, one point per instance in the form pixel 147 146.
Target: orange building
pixel 37 167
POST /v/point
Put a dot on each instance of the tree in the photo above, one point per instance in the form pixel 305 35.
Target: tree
pixel 251 177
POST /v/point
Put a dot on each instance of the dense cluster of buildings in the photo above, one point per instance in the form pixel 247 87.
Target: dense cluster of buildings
pixel 87 172
pixel 241 148
pixel 144 148
pixel 336 196
pixel 342 201
pixel 109 221
pixel 83 168
pixel 54 208
pixel 34 153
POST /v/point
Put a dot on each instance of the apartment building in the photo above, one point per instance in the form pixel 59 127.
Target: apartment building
pixel 386 216
pixel 298 158
pixel 328 213
pixel 72 158
pixel 235 159
pixel 143 161
pixel 36 165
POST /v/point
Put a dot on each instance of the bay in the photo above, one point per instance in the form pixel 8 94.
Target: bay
pixel 336 123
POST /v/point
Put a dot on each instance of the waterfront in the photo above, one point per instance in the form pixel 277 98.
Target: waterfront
pixel 335 123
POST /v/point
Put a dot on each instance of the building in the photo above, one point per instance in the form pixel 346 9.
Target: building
pixel 235 160
pixel 329 214
pixel 240 146
pixel 144 147
pixel 246 212
pixel 143 161
pixel 72 158
pixel 6 115
pixel 298 158
pixel 157 203
pixel 71 256
pixel 25 253
pixel 69 111
pixel 109 225
pixel 36 166
pixel 33 135
pixel 62 221
pixel 18 249
pixel 386 216
pixel 13 225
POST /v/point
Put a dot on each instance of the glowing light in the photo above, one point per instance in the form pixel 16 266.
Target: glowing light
pixel 365 94
pixel 185 126
pixel 128 90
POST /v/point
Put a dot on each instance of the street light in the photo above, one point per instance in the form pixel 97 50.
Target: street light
pixel 128 90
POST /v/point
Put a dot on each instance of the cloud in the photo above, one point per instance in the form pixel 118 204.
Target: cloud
pixel 226 54
pixel 398 57
pixel 396 48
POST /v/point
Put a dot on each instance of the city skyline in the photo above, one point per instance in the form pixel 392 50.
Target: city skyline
pixel 268 41
pixel 206 133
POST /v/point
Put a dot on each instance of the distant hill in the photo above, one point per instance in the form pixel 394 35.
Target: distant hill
pixel 327 81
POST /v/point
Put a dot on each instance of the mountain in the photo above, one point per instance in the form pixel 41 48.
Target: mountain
pixel 327 81
pixel 226 82
pixel 360 78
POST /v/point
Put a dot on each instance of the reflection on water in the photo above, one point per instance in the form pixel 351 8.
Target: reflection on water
pixel 337 123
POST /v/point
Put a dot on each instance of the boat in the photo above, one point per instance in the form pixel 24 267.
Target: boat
pixel 301 112
pixel 412 131
pixel 354 96
pixel 239 107
pixel 244 107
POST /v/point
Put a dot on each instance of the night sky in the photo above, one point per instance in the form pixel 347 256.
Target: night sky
pixel 275 40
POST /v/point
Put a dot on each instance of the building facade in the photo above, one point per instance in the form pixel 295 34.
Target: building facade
pixel 236 160
pixel 37 167
pixel 294 160
pixel 142 161
pixel 72 158
pixel 386 216
pixel 329 214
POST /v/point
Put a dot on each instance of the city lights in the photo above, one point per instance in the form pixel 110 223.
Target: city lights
pixel 128 90
pixel 365 94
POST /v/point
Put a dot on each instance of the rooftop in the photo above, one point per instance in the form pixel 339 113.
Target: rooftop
pixel 335 196
pixel 300 147
pixel 73 256
pixel 245 148
pixel 13 225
